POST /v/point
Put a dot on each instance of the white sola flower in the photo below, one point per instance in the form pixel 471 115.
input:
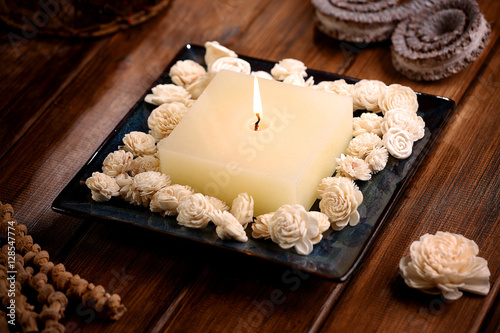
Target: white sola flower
pixel 353 167
pixel 193 211
pixel 185 72
pixel 397 96
pixel 368 122
pixel 227 226
pixel 323 225
pixel 163 120
pixel 339 87
pixel 214 51
pixel 167 199
pixel 287 67
pixel 242 208
pixel 141 189
pixel 102 186
pixel 145 163
pixel 231 64
pixel 398 143
pixel 292 226
pixel 366 94
pixel 407 120
pixel 139 143
pixel 445 263
pixel 260 228
pixel 363 144
pixel 340 202
pixel 377 159
pixel 117 162
pixel 167 93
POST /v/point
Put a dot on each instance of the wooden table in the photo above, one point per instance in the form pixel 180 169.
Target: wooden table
pixel 61 98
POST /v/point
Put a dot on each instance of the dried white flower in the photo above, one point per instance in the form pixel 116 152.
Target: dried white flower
pixel 353 167
pixel 185 72
pixel 102 186
pixel 148 183
pixel 227 226
pixel 366 94
pixel 139 143
pixel 167 93
pixel 398 142
pixel 214 51
pixel 445 263
pixel 167 199
pixel 368 122
pixel 298 80
pixel 117 162
pixel 397 96
pixel 260 227
pixel 216 204
pixel 407 120
pixel 231 64
pixel 291 226
pixel 145 163
pixel 339 87
pixel 242 208
pixel 263 75
pixel 323 225
pixel 325 183
pixel 363 144
pixel 340 203
pixel 165 118
pixel 193 211
pixel 287 67
pixel 377 159
pixel 197 87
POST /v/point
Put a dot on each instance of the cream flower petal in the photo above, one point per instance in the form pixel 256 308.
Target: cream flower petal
pixel 167 199
pixel 227 226
pixel 407 120
pixel 445 263
pixel 353 167
pixel 242 208
pixel 328 181
pixel 398 96
pixel 368 122
pixel 102 186
pixel 263 75
pixel 185 72
pixel 260 228
pixel 197 87
pixel 323 225
pixel 167 93
pixel 216 204
pixel 398 142
pixel 363 144
pixel 163 120
pixel 231 64
pixel 339 87
pixel 117 162
pixel 139 143
pixel 145 163
pixel 214 51
pixel 377 159
pixel 193 211
pixel 366 94
pixel 288 67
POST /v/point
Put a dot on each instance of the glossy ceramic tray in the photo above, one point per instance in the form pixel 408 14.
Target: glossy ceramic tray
pixel 335 257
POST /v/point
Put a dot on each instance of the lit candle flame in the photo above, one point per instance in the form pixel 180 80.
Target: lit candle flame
pixel 257 102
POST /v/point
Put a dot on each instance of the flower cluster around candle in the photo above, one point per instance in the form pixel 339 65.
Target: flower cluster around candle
pixel 392 131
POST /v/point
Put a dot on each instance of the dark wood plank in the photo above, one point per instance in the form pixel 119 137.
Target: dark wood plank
pixel 465 202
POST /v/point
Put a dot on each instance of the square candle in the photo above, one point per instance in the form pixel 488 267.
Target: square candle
pixel 216 150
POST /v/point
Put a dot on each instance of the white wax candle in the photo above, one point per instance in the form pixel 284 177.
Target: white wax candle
pixel 215 150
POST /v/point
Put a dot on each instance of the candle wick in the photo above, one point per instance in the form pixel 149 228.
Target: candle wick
pixel 256 128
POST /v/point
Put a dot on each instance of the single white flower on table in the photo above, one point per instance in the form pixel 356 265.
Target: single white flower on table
pixel 163 120
pixel 260 228
pixel 287 67
pixel 117 162
pixel 145 163
pixel 139 143
pixel 397 96
pixel 363 144
pixel 368 122
pixel 167 199
pixel 167 93
pixel 366 94
pixel 291 226
pixel 102 186
pixel 231 64
pixel 227 226
pixel 339 87
pixel 340 202
pixel 242 209
pixel 193 211
pixel 445 263
pixel 214 51
pixel 353 167
pixel 407 120
pixel 398 142
pixel 377 159
pixel 185 72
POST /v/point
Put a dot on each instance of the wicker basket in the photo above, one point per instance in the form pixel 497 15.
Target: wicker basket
pixel 77 18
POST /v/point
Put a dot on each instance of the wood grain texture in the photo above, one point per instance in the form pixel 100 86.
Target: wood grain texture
pixel 61 98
